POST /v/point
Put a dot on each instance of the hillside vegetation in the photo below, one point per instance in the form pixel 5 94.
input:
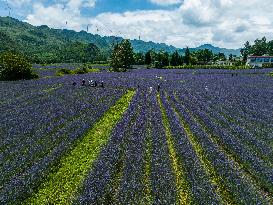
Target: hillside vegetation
pixel 45 45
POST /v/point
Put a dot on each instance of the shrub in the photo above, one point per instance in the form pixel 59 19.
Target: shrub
pixel 267 65
pixel 85 68
pixel 64 71
pixel 15 67
pixel 80 71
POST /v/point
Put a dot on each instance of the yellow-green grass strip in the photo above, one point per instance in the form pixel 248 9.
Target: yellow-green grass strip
pixel 62 186
pixel 215 179
pixel 184 195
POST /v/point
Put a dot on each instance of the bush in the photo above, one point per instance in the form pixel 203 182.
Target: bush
pixel 15 67
pixel 85 68
pixel 64 71
pixel 80 71
pixel 111 69
pixel 267 65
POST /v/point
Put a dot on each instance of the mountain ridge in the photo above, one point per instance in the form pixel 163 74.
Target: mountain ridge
pixel 43 37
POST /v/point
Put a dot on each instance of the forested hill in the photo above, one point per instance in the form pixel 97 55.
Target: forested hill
pixel 43 43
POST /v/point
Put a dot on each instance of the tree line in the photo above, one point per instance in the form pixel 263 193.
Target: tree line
pixel 123 57
pixel 16 66
pixel 259 48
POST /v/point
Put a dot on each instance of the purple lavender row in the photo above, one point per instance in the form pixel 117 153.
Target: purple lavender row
pixel 243 135
pixel 260 170
pixel 238 188
pixel 221 100
pixel 55 138
pixel 246 138
pixel 164 189
pixel 45 136
pixel 131 186
pixel 256 104
pixel 52 114
pixel 200 184
pixel 28 179
pixel 49 121
pixel 22 184
pixel 98 187
pixel 261 130
pixel 13 95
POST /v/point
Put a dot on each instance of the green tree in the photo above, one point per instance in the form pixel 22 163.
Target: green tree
pixel 187 56
pixel 15 67
pixel 204 55
pixel 260 47
pixel 91 53
pixel 175 59
pixel 220 57
pixel 193 60
pixel 162 59
pixel 245 51
pixel 230 57
pixel 148 58
pixel 139 58
pixel 122 56
pixel 165 59
pixel 7 44
pixel 79 52
pixel 270 48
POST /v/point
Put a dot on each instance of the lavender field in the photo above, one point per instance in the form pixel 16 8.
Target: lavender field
pixel 202 137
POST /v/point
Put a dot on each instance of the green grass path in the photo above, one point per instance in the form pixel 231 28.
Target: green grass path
pixel 62 186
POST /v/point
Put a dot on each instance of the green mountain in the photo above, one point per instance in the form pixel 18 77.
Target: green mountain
pixel 219 50
pixel 43 44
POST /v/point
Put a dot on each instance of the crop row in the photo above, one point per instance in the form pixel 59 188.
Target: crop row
pixel 43 131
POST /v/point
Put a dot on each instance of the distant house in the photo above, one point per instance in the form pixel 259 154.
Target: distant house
pixel 258 61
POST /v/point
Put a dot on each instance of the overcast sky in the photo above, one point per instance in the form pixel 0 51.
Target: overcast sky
pixel 224 23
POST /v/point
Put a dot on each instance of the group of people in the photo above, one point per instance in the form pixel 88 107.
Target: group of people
pixel 101 84
pixel 92 83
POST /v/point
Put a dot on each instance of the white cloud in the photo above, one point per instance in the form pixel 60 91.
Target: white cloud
pixel 66 14
pixel 166 2
pixel 56 16
pixel 225 23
